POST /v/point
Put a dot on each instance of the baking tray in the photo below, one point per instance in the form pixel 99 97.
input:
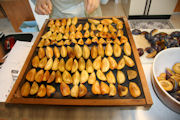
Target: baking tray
pixel 89 100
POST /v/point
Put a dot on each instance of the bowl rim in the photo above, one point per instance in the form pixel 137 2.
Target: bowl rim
pixel 156 80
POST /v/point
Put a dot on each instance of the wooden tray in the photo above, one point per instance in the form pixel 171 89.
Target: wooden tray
pixel 144 100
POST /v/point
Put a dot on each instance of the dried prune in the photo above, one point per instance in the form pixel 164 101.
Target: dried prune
pixel 175 34
pixel 140 51
pixel 136 32
pixel 149 49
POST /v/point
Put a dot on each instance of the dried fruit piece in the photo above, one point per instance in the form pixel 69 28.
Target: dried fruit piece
pixel 49 64
pixel 74 20
pixel 86 26
pixel 39 76
pixel 58 78
pixel 61 65
pixel 101 50
pixel 49 52
pixel 86 52
pixel 176 68
pixel 81 64
pixel 76 78
pixel 92 21
pixel 134 89
pixel 101 41
pixel 79 28
pixel 34 88
pixel 100 27
pixel 63 51
pixel 69 64
pixel 88 41
pixel 41 91
pixel 110 77
pixel 167 85
pixel 112 90
pixel 65 89
pixel 31 75
pixel 84 76
pixel 112 29
pixel 113 63
pixel 128 61
pixel 104 88
pixel 115 20
pixel 55 64
pixel 74 66
pixel 46 76
pixel 152 54
pixel 67 77
pixel 94 52
pixel 96 88
pixel 81 41
pixel 63 22
pixel 35 61
pixel 92 78
pixel 86 34
pixel 56 52
pixel 97 63
pixel 108 50
pixel 121 64
pixel 50 90
pixel 122 90
pixel 100 75
pixel 117 50
pixel 41 43
pixel 93 27
pixel 127 49
pixel 51 77
pixel 25 89
pixel 74 91
pixel 106 21
pixel 132 74
pixel 105 29
pixel 82 90
pixel 47 42
pixel 105 65
pixel 41 53
pixel 140 51
pixel 120 77
pixel 78 51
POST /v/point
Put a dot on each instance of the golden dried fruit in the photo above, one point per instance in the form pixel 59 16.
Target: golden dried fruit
pixel 101 41
pixel 89 66
pixel 70 52
pixel 69 64
pixel 31 75
pixel 115 20
pixel 57 23
pixel 95 40
pixel 50 90
pixel 101 50
pixel 51 77
pixel 74 41
pixel 105 65
pixel 117 50
pixel 108 50
pixel 100 27
pixel 82 90
pixel 55 64
pixel 121 78
pixel 84 76
pixel 105 29
pixel 75 91
pixel 121 64
pixel 49 52
pixel 62 29
pixel 94 52
pixel 176 68
pixel 72 36
pixel 73 28
pixel 93 27
pixel 132 74
pixel 128 61
pixel 63 22
pixel 58 78
pixel 35 61
pixel 49 64
pixel 106 21
pixel 127 49
pixel 51 22
pixel 41 91
pixel 113 63
pixel 117 41
pixel 123 39
pixel 79 35
pixel 119 25
pixel 110 77
pixel 167 85
pixel 65 89
pixel 79 28
pixel 78 51
pixel 61 43
pixel 41 53
pixel 81 42
pixel 74 20
pixel 92 78
pixel 46 76
pixel 81 64
pixel 92 34
pixel 41 43
pixel 47 42
pixel 39 76
pixel 67 77
pixel 74 66
pixel 25 89
pixel 86 52
pixel 134 89
pixel 104 88
pixel 96 88
pixel 61 65
pixel 92 21
pixel 76 78
pixel 112 29
pixel 67 42
pixel 122 90
pixel 88 41
pixel 63 51
pixel 34 88
pixel 56 52
pixel 100 75
pixel 68 22
pixel 86 34
pixel 86 26
pixel 112 90
pixel 97 63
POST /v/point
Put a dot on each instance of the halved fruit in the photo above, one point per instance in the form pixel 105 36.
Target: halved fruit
pixel 94 52
pixel 41 53
pixel 105 65
pixel 74 66
pixel 74 91
pixel 100 75
pixel 132 74
pixel 167 85
pixel 92 78
pixel 49 64
pixel 117 50
pixel 96 88
pixel 122 90
pixel 61 65
pixel 110 77
pixel 113 63
pixel 51 77
pixel 78 51
pixel 82 90
pixel 25 89
pixel 81 64
pixel 121 78
pixel 134 89
pixel 76 78
pixel 112 90
pixel 31 75
pixel 56 52
pixel 50 90
pixel 104 88
pixel 55 64
pixel 128 61
pixel 58 77
pixel 34 88
pixel 127 49
pixel 41 91
pixel 70 52
pixel 42 62
pixel 89 66
pixel 69 64
pixel 49 52
pixel 176 68
pixel 97 63
pixel 101 50
pixel 39 76
pixel 35 61
pixel 65 89
pixel 67 77
pixel 63 51
pixel 108 50
pixel 84 76
pixel 121 64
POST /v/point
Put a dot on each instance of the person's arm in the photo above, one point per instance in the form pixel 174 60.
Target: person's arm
pixel 43 7
pixel 91 5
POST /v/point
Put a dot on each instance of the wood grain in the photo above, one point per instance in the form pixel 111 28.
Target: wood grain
pixel 177 9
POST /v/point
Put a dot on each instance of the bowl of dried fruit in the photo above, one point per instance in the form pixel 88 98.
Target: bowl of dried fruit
pixel 166 77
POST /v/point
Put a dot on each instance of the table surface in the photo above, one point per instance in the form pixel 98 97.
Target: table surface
pixel 157 111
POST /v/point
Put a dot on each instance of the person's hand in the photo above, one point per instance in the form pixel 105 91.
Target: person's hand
pixel 43 7
pixel 91 5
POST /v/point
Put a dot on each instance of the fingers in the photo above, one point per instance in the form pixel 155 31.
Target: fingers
pixel 92 5
pixel 43 7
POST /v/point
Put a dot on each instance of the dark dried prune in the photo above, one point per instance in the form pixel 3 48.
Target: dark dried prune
pixel 149 49
pixel 140 51
pixel 136 32
pixel 175 34
pixel 148 36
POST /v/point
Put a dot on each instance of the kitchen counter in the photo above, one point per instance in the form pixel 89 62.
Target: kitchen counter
pixel 25 112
